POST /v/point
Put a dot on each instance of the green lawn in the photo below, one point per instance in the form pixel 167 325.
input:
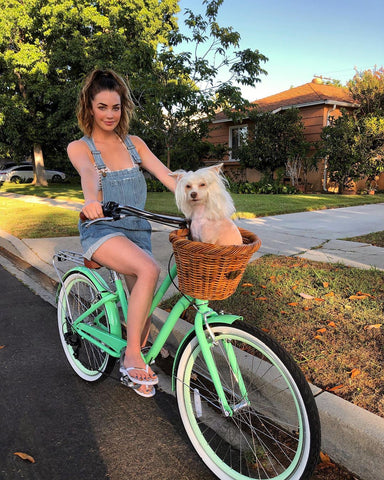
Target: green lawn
pixel 248 205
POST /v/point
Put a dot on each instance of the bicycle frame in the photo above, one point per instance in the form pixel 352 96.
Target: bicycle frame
pixel 113 343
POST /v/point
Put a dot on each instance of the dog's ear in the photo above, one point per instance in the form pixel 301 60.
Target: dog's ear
pixel 178 174
pixel 217 167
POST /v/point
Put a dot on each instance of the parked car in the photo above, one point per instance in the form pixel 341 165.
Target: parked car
pixel 4 165
pixel 24 173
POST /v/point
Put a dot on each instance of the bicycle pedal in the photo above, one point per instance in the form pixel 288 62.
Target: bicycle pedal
pixel 127 382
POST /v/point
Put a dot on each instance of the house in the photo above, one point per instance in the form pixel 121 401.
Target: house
pixel 317 103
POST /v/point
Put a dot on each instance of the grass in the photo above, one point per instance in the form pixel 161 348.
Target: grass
pixel 32 220
pixel 248 205
pixel 329 317
pixel 60 191
pixel 28 220
pixel 376 239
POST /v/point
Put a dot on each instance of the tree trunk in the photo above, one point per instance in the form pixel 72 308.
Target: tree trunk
pixel 39 177
pixel 168 157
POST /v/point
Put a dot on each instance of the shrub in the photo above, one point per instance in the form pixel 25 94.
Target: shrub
pixel 154 185
pixel 263 186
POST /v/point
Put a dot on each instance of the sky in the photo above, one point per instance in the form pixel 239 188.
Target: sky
pixel 304 38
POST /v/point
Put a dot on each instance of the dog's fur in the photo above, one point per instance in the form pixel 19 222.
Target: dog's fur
pixel 203 198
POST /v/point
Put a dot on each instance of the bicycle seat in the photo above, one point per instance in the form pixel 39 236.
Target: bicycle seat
pixel 91 264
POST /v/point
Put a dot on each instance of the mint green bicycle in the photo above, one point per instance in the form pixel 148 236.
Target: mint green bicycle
pixel 244 403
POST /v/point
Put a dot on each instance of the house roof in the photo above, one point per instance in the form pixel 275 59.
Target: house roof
pixel 306 95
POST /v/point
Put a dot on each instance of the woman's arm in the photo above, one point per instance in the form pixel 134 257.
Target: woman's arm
pixel 78 154
pixel 153 164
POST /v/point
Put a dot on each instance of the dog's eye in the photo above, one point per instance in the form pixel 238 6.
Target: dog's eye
pixel 187 186
pixel 202 184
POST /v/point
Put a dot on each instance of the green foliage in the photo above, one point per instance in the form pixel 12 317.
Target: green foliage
pixel 154 185
pixel 273 139
pixel 186 89
pixel 354 147
pixel 354 144
pixel 367 88
pixel 264 186
pixel 46 47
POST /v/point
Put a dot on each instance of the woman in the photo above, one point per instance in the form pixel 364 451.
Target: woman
pixel 108 161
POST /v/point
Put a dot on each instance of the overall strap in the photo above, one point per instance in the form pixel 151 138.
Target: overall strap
pixel 132 150
pixel 96 154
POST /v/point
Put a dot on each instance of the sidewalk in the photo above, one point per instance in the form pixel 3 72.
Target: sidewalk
pixel 352 436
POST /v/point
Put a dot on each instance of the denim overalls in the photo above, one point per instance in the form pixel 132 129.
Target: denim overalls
pixel 126 187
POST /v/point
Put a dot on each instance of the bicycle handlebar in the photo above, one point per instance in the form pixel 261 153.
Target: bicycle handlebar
pixel 114 211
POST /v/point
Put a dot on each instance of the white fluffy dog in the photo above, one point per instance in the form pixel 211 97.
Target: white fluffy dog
pixel 203 198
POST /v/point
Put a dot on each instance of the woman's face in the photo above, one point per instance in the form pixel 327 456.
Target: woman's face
pixel 106 110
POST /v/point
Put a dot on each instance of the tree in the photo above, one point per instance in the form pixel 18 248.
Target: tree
pixel 367 88
pixel 354 148
pixel 354 143
pixel 273 140
pixel 46 47
pixel 186 88
pixel 338 146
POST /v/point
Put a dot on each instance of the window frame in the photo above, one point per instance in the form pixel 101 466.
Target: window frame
pixel 230 139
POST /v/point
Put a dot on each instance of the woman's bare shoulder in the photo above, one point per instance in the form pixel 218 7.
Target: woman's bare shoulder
pixel 77 146
pixel 137 141
pixel 79 154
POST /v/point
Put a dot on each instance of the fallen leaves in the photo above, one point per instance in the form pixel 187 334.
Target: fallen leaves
pixel 335 388
pixel 325 462
pixel 354 372
pixel 306 296
pixel 371 327
pixel 360 296
pixel 25 456
pixel 321 330
pixel 329 294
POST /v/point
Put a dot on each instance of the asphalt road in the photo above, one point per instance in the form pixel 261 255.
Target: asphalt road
pixel 71 428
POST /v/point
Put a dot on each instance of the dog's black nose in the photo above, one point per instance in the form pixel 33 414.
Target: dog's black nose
pixel 193 194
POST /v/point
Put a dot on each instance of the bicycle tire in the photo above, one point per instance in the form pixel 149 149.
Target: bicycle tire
pixel 274 433
pixel 76 295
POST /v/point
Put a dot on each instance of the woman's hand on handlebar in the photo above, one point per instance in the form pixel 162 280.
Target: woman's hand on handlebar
pixel 92 210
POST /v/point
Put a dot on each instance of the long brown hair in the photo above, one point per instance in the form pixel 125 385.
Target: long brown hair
pixel 96 82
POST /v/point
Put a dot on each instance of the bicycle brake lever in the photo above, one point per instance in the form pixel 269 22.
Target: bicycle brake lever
pixel 101 219
pixel 112 209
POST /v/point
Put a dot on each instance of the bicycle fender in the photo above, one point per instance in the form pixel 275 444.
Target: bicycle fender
pixel 93 276
pixel 103 287
pixel 212 321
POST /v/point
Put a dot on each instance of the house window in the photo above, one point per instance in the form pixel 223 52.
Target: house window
pixel 237 137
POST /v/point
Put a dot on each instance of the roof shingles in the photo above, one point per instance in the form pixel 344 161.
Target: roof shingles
pixel 305 94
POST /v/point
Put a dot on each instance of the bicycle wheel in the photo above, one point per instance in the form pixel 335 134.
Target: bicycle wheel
pixel 274 432
pixel 77 294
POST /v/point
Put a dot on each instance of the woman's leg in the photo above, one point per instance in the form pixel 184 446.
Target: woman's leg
pixel 130 281
pixel 125 257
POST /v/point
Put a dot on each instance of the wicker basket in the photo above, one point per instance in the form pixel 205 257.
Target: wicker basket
pixel 211 272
